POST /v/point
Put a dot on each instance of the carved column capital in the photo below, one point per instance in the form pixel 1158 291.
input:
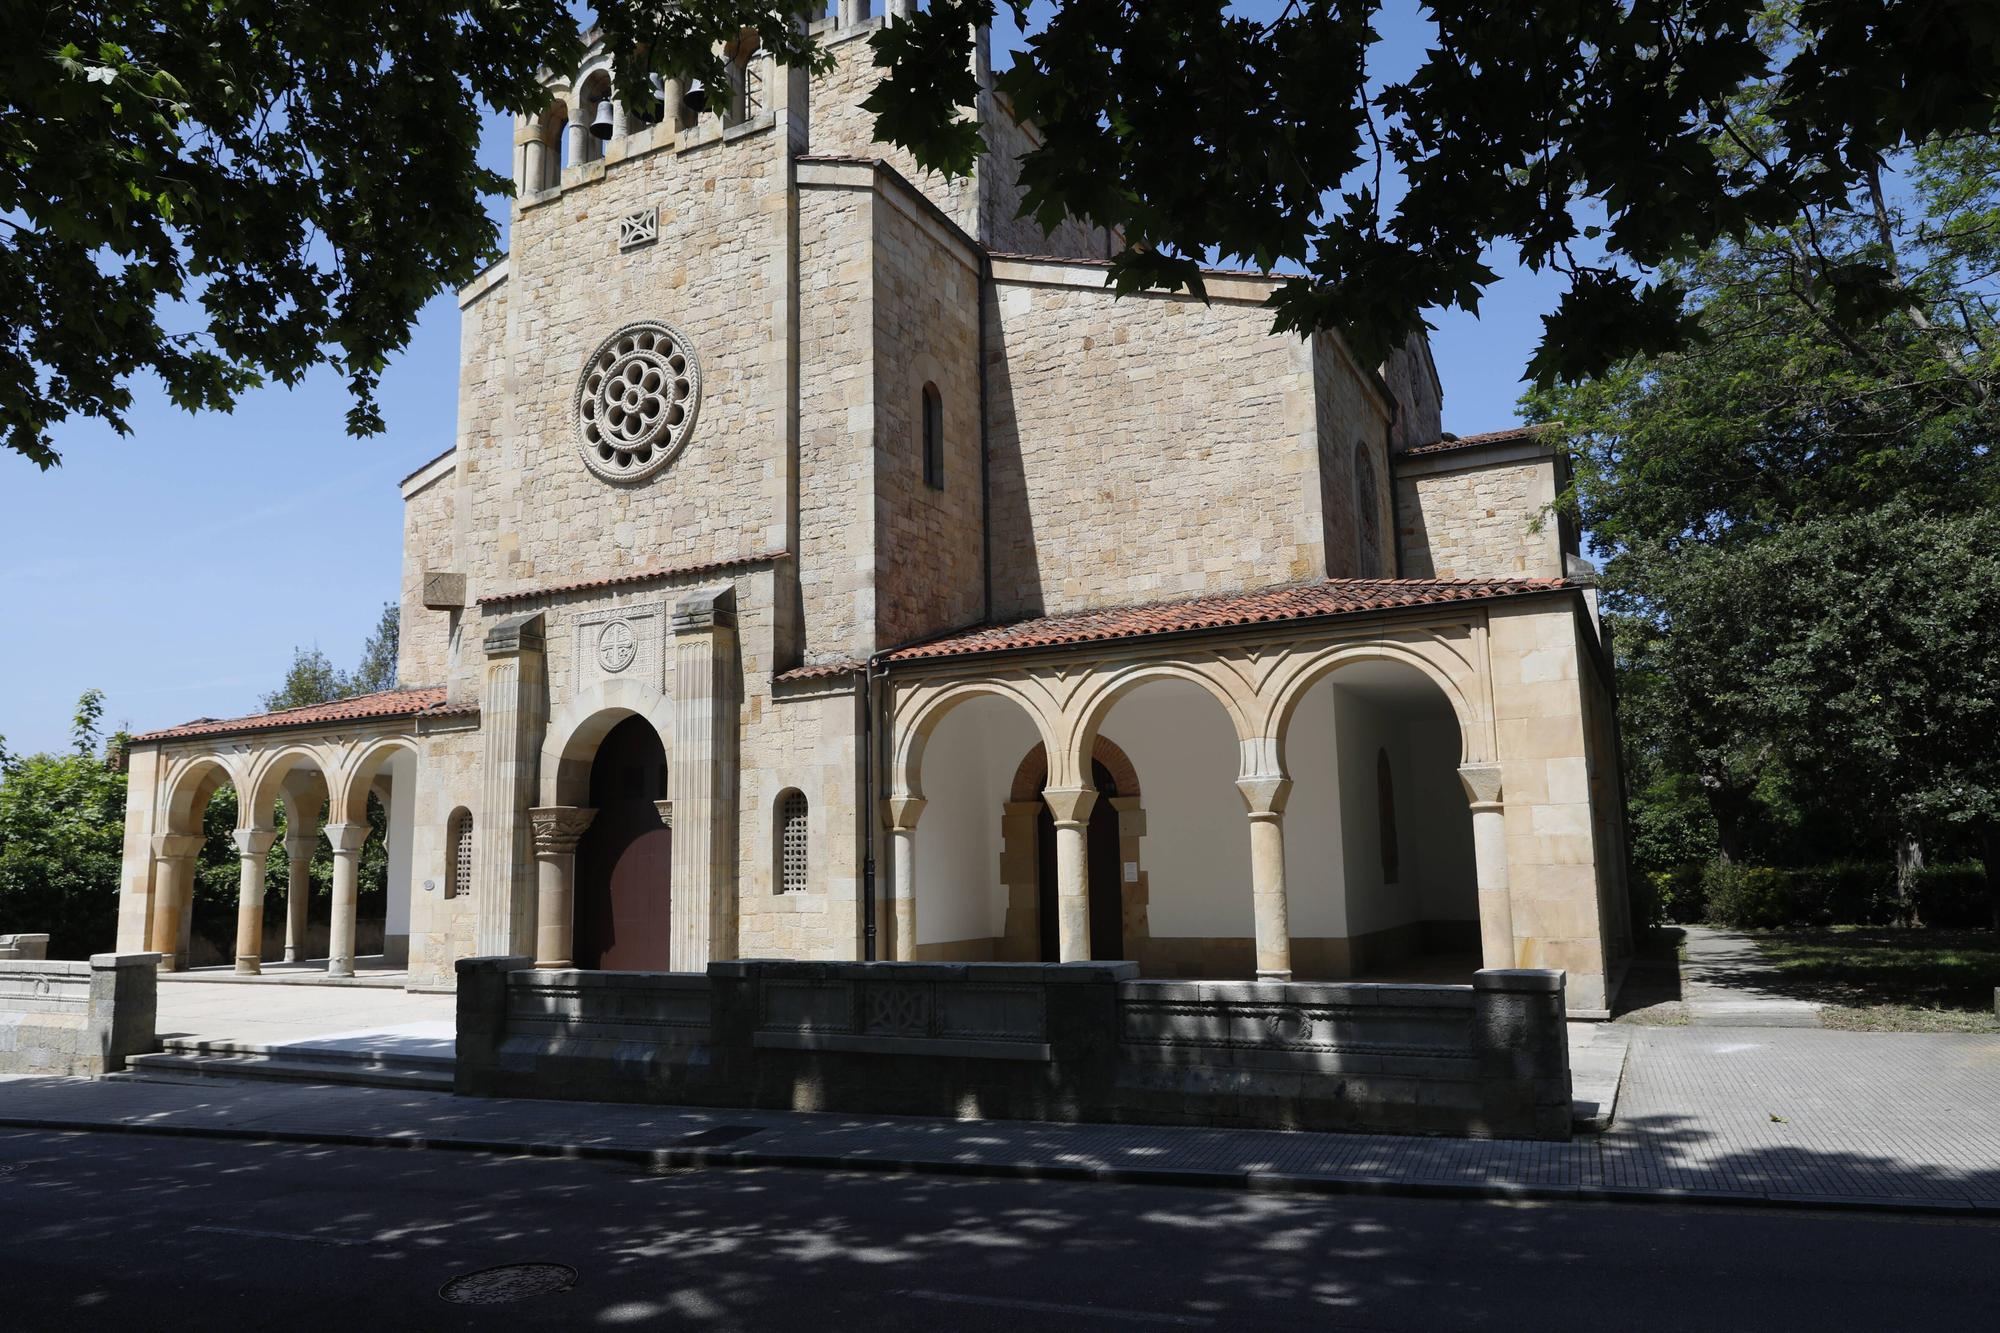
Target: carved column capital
pixel 254 843
pixel 1265 794
pixel 557 827
pixel 176 846
pixel 902 812
pixel 1070 805
pixel 666 809
pixel 346 839
pixel 1481 783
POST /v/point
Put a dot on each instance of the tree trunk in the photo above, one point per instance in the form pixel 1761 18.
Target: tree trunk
pixel 1726 806
pixel 1909 860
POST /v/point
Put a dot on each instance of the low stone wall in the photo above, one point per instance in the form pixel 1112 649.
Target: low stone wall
pixel 1060 1041
pixel 77 1018
pixel 23 946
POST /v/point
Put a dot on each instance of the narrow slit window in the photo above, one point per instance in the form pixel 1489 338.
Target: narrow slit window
pixel 933 438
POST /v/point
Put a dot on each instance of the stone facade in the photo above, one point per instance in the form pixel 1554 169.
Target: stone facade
pixel 903 414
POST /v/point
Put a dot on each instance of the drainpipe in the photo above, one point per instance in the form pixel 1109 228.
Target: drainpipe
pixel 868 813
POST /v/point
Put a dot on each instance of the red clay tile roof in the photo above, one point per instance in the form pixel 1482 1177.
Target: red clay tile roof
pixel 1451 442
pixel 1305 601
pixel 636 576
pixel 363 707
pixel 821 671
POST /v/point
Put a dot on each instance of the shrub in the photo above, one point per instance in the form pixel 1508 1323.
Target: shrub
pixel 1746 897
pixel 1951 895
pixel 1673 895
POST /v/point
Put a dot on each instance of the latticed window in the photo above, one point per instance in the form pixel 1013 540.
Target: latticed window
pixel 792 842
pixel 461 855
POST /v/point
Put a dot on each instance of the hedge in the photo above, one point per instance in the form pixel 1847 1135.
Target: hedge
pixel 1854 893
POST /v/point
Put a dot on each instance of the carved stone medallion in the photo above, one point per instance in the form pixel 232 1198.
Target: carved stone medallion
pixel 617 645
pixel 636 401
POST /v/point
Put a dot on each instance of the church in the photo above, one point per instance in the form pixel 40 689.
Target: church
pixel 829 566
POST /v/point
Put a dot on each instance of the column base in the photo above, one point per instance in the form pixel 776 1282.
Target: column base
pixel 1274 974
pixel 249 967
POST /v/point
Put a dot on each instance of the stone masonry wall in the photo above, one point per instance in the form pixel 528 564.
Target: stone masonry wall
pixel 1144 448
pixel 423 653
pixel 441 921
pixel 1476 523
pixel 928 551
pixel 841 128
pixel 837 384
pixel 720 272
pixel 1000 194
pixel 1419 403
pixel 1552 853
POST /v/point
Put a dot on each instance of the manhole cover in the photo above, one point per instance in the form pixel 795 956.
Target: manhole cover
pixel 508 1282
pixel 702 1138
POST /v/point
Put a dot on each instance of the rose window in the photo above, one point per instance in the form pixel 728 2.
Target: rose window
pixel 636 401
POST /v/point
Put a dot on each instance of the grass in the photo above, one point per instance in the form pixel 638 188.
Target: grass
pixel 1874 979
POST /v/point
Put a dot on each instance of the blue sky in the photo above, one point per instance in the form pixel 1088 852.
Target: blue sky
pixel 177 568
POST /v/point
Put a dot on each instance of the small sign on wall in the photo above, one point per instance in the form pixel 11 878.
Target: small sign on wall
pixel 1131 872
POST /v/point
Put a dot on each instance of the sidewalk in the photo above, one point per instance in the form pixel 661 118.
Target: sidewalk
pixel 1798 1118
pixel 1727 983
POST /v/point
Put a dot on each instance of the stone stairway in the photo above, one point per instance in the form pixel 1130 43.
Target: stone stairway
pixel 189 1060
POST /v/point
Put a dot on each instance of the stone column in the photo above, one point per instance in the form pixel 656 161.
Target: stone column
pixel 557 828
pixel 530 156
pixel 902 813
pixel 300 843
pixel 1071 807
pixel 574 132
pixel 702 780
pixel 856 11
pixel 1489 856
pixel 253 845
pixel 1265 795
pixel 513 714
pixel 174 853
pixel 346 840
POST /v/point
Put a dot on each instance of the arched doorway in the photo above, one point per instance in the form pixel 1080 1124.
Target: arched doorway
pixel 1101 860
pixel 623 860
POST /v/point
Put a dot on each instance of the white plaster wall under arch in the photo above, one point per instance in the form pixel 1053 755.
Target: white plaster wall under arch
pixel 1183 745
pixel 961 900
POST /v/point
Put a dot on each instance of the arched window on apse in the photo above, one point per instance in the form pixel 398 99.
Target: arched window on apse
pixel 933 438
pixel 1367 512
pixel 1385 808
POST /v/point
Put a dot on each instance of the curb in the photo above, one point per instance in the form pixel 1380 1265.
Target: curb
pixel 1259 1182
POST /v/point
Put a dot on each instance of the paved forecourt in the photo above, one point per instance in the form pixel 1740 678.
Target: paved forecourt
pixel 1804 1117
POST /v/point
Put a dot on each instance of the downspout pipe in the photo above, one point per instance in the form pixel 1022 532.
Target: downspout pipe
pixel 870 671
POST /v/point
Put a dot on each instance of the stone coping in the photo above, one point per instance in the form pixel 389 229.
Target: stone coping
pixel 1035 973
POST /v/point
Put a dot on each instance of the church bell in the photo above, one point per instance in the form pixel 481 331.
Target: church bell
pixel 600 124
pixel 696 95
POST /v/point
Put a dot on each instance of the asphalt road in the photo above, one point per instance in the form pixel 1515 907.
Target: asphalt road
pixel 132 1232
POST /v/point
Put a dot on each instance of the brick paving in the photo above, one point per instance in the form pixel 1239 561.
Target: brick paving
pixel 1834 1119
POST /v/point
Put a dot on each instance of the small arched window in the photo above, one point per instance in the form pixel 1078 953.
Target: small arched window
pixel 792 842
pixel 933 438
pixel 1385 811
pixel 461 854
pixel 1367 512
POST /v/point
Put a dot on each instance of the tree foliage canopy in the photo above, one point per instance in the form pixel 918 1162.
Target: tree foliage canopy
pixel 234 192
pixel 62 836
pixel 1797 515
pixel 314 679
